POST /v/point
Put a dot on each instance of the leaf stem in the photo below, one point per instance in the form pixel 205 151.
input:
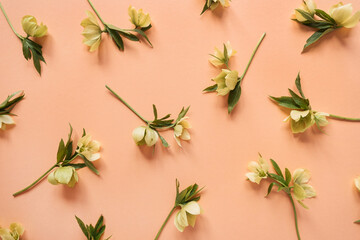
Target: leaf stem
pixel 97 14
pixel 8 20
pixel 36 181
pixel 126 104
pixel 252 56
pixel 163 225
pixel 344 118
pixel 295 215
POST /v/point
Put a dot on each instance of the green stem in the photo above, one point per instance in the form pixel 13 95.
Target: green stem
pixel 36 181
pixel 163 225
pixel 97 14
pixel 295 215
pixel 126 104
pixel 344 118
pixel 252 56
pixel 8 20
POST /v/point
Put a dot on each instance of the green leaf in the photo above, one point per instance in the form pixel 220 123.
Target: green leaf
pixel 358 222
pixel 287 176
pixel 303 205
pixel 276 168
pixel 61 151
pixel 316 36
pixel 35 49
pixel 322 14
pixel 285 101
pixel 163 141
pixel 206 7
pixel 26 50
pixel 182 114
pixel 303 103
pixel 116 38
pixel 144 29
pixel 226 56
pixel 143 34
pixel 270 188
pixel 76 165
pixel 129 36
pixel 212 88
pixel 298 85
pixel 234 97
pixel 155 111
pixel 278 178
pixel 306 15
pixel 99 223
pixel 82 226
pixel 90 165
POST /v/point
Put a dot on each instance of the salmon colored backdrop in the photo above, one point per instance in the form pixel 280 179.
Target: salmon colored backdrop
pixel 136 189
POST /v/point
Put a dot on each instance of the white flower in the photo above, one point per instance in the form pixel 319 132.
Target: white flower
pixel 187 215
pixel 226 81
pixel 302 190
pixel 342 14
pixel 181 130
pixel 300 120
pixel 219 56
pixel 145 135
pixel 64 175
pixel 5 119
pixel 92 31
pixel 308 6
pixel 14 233
pixel 258 170
pixel 89 148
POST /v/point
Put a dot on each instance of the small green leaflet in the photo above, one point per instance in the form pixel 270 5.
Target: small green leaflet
pixel 234 97
pixel 212 88
pixel 32 48
pixel 115 36
pixel 206 7
pixel 91 232
pixel 316 36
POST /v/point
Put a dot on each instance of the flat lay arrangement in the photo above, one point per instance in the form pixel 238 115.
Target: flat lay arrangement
pixel 207 145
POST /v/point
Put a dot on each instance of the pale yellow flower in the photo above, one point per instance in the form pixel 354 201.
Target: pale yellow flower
pixel 258 170
pixel 5 120
pixel 342 14
pixel 138 17
pixel 92 31
pixel 181 130
pixel 320 118
pixel 213 4
pixel 187 215
pixel 226 81
pixel 31 27
pixel 302 190
pixel 357 183
pixel 89 148
pixel 145 135
pixel 308 6
pixel 300 120
pixel 219 58
pixel 14 233
pixel 64 175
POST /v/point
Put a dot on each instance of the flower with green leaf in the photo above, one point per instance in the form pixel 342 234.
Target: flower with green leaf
pixel 213 4
pixel 93 232
pixel 339 16
pixel 187 201
pixel 295 186
pixel 302 116
pixel 65 171
pixel 258 170
pixel 148 135
pixel 7 106
pixel 13 233
pixel 92 31
pixel 32 29
pixel 228 81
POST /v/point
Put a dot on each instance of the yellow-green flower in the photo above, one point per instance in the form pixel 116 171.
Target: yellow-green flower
pixel 357 183
pixel 342 14
pixel 14 233
pixel 308 6
pixel 92 31
pixel 218 58
pixel 138 17
pixel 320 118
pixel 89 148
pixel 302 190
pixel 258 170
pixel 64 175
pixel 145 135
pixel 181 130
pixel 300 120
pixel 5 120
pixel 187 215
pixel 213 4
pixel 31 27
pixel 226 81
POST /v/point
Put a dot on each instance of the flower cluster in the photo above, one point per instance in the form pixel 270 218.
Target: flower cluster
pixel 302 116
pixel 93 232
pixel 92 30
pixel 293 185
pixel 7 106
pixel 228 81
pixel 66 171
pixel 13 233
pixel 213 4
pixel 149 135
pixel 339 15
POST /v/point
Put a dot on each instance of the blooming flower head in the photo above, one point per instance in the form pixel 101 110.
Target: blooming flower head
pixel 302 190
pixel 145 135
pixel 187 215
pixel 213 4
pixel 31 27
pixel 181 130
pixel 357 183
pixel 226 81
pixel 89 148
pixel 5 120
pixel 14 233
pixel 64 175
pixel 139 18
pixel 300 120
pixel 308 6
pixel 342 14
pixel 218 58
pixel 92 31
pixel 258 170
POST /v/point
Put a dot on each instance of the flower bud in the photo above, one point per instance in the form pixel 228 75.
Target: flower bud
pixel 181 130
pixel 226 81
pixel 145 135
pixel 31 27
pixel 64 175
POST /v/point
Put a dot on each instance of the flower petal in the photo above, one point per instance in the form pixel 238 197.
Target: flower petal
pixel 193 208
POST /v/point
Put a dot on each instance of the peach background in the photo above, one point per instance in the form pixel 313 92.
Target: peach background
pixel 136 189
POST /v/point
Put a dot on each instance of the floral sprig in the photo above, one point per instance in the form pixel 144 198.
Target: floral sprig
pixel 149 134
pixel 357 185
pixel 228 81
pixel 93 232
pixel 339 16
pixel 13 233
pixel 7 106
pixel 92 30
pixel 186 200
pixel 29 47
pixel 213 4
pixel 295 186
pixel 65 171
pixel 302 116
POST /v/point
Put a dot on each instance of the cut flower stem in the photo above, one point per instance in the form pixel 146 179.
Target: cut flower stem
pixel 163 225
pixel 8 20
